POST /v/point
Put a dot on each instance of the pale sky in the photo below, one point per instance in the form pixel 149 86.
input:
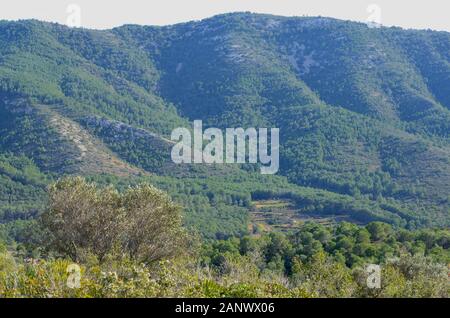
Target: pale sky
pixel 103 14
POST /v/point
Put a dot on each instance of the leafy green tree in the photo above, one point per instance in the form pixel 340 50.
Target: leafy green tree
pixel 141 222
pixel 379 231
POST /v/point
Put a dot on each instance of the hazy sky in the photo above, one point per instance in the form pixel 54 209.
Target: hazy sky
pixel 101 14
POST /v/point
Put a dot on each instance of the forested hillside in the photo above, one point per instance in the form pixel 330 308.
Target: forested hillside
pixel 97 242
pixel 364 116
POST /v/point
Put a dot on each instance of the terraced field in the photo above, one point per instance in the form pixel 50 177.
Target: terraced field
pixel 285 216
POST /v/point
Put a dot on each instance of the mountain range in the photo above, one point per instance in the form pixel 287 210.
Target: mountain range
pixel 363 112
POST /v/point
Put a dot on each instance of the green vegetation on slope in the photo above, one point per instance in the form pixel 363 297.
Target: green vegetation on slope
pixel 363 113
pixel 131 244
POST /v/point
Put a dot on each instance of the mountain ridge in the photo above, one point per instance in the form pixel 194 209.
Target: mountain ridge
pixel 364 112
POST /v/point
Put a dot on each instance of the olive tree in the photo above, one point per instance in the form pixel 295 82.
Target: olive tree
pixel 142 222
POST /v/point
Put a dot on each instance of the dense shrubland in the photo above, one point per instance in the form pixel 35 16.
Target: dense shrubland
pixel 364 117
pixel 132 244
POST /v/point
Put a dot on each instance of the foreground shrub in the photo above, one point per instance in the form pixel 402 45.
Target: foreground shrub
pixel 142 222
